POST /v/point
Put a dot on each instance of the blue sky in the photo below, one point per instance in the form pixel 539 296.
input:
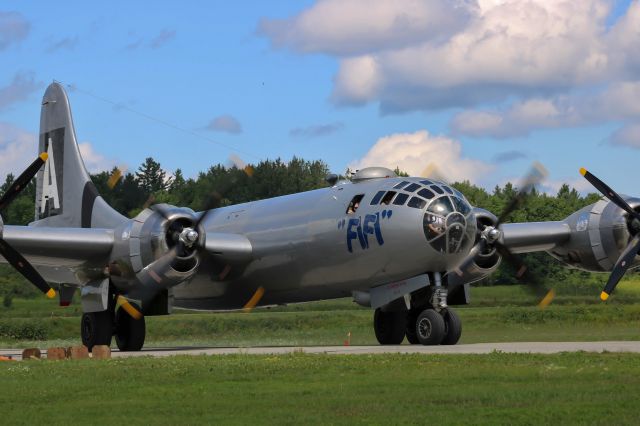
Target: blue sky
pixel 408 83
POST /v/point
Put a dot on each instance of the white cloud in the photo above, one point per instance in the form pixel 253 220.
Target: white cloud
pixel 353 27
pixel 415 152
pixel 22 85
pixel 95 162
pixel 13 28
pixel 628 135
pixel 617 102
pixel 497 49
pixel 18 148
pixel 225 123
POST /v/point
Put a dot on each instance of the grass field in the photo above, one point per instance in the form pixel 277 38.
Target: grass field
pixel 496 314
pixel 575 388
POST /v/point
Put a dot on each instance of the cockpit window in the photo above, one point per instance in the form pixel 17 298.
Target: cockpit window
pixel 400 199
pixel 376 198
pixel 441 206
pixel 426 182
pixel 426 193
pixel 401 184
pixel 388 197
pixel 354 204
pixel 446 188
pixel 437 189
pixel 412 187
pixel 461 205
pixel 417 202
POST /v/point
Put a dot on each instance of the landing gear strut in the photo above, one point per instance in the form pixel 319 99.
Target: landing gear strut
pixel 97 328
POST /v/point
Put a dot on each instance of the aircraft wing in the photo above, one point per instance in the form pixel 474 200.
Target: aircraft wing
pixel 62 255
pixel 534 236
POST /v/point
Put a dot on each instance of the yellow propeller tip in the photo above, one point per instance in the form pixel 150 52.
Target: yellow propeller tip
pixel 44 156
pixel 583 171
pixel 51 293
pixel 604 296
pixel 547 299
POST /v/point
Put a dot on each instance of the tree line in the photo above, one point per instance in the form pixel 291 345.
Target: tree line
pixel 149 184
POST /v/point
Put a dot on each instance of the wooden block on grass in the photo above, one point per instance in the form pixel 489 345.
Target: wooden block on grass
pixel 101 352
pixel 56 353
pixel 31 353
pixel 78 352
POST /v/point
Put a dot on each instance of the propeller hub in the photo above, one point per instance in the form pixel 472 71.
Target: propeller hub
pixel 491 234
pixel 188 236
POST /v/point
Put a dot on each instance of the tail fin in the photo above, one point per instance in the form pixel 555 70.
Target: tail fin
pixel 65 195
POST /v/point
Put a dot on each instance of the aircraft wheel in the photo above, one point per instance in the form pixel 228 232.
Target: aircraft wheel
pixel 430 327
pixel 130 332
pixel 389 326
pixel 410 331
pixel 452 326
pixel 96 328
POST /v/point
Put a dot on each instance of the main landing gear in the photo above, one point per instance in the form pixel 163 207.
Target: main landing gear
pixel 426 327
pixel 97 328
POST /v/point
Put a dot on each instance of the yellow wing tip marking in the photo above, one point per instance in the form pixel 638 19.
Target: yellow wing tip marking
pixel 547 299
pixel 583 171
pixel 254 300
pixel 604 296
pixel 43 156
pixel 51 293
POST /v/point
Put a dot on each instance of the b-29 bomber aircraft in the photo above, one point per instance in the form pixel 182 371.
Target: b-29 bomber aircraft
pixel 407 247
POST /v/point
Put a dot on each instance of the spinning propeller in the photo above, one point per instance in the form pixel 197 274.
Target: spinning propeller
pixel 489 238
pixel 9 253
pixel 633 248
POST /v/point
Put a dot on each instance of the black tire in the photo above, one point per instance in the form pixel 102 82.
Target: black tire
pixel 130 332
pixel 96 328
pixel 452 327
pixel 410 331
pixel 389 327
pixel 430 327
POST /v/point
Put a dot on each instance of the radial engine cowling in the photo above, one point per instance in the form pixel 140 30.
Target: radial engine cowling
pixel 484 263
pixel 599 234
pixel 144 240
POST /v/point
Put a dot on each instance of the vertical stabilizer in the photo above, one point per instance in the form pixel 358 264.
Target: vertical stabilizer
pixel 65 195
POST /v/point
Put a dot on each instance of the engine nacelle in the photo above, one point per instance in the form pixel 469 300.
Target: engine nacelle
pixel 146 238
pixel 485 263
pixel 599 233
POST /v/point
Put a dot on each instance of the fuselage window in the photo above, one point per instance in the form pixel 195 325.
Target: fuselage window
pixel 400 199
pixel 437 189
pixel 354 204
pixel 401 184
pixel 417 202
pixel 388 197
pixel 412 187
pixel 446 188
pixel 377 197
pixel 426 182
pixel 424 192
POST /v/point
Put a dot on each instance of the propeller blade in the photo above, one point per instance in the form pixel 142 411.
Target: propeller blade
pixel 128 307
pixel 20 263
pixel 463 267
pixel 609 193
pixel 624 261
pixel 22 181
pixel 152 275
pixel 533 178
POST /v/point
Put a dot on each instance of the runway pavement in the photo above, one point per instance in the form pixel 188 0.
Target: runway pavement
pixel 476 348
